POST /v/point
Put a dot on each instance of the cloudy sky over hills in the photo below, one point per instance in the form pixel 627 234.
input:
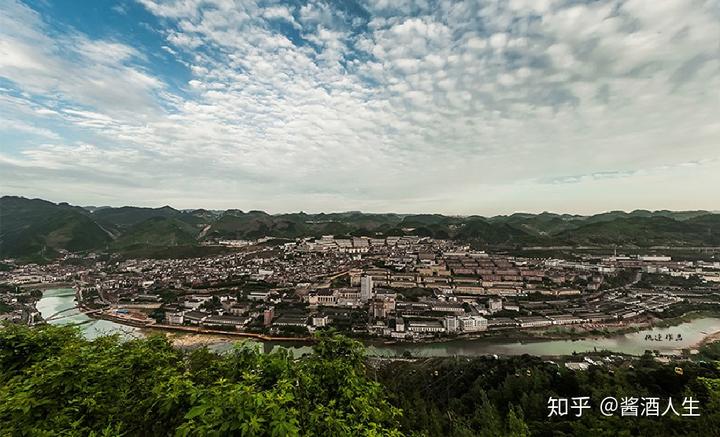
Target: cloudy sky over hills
pixel 458 107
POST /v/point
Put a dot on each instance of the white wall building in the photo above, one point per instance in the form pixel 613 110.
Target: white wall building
pixel 473 323
pixel 366 288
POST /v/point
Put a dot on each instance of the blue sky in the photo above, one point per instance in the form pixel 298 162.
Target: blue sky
pixel 463 107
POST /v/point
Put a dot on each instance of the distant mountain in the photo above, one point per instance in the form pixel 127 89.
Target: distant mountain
pixel 37 229
pixel 130 215
pixel 647 231
pixel 94 208
pixel 482 231
pixel 675 215
pixel 157 231
pixel 236 224
pixel 543 224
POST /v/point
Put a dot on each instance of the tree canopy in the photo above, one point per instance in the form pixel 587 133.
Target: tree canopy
pixel 54 382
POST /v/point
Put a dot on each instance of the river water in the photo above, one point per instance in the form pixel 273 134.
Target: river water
pixel 60 302
pixel 691 333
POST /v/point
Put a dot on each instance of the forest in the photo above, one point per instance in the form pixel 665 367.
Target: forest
pixel 55 382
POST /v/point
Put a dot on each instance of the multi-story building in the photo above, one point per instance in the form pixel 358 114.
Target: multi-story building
pixel 473 323
pixel 366 288
pixel 451 324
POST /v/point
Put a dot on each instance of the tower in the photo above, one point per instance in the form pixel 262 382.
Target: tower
pixel 366 288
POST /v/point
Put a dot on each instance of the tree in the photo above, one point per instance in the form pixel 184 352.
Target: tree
pixel 212 304
pixel 53 381
pixel 516 423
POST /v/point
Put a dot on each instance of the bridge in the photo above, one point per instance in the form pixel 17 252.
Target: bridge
pixel 63 313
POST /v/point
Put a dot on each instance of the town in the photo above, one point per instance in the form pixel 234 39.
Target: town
pixel 396 288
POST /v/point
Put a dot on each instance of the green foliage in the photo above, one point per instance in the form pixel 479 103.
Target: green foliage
pixel 622 278
pixel 414 294
pixel 212 304
pixel 35 229
pixel 516 423
pixel 656 279
pixel 341 281
pixel 54 382
pixel 508 397
pixel 647 231
pixel 157 231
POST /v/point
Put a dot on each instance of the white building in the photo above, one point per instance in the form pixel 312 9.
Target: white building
pixel 424 326
pixel 451 324
pixel 175 318
pixel 472 323
pixel 366 288
pixel 399 324
pixel 320 321
pixel 495 305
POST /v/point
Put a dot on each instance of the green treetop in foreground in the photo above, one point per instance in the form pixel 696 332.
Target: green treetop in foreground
pixel 55 382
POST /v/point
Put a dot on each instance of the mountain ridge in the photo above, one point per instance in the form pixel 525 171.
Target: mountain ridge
pixel 36 227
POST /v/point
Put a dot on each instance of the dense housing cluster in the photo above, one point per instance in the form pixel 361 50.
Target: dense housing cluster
pixel 400 288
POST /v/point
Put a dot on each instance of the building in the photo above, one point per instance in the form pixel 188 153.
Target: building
pixel 366 288
pixel 533 322
pixel 238 309
pixel 194 302
pixel 451 324
pixel 495 305
pixel 292 320
pixel 326 297
pixel 268 316
pixel 259 295
pixel 399 324
pixel 425 326
pixel 447 307
pixel 381 308
pixel 175 318
pixel 565 319
pixel 224 321
pixel 473 323
pixel 195 317
pixel 320 321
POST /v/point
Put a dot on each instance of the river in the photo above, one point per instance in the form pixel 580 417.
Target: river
pixel 61 303
pixel 693 332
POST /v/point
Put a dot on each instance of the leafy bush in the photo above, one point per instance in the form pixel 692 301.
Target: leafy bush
pixel 52 382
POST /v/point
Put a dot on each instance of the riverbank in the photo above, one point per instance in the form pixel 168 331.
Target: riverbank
pixel 686 317
pixel 205 331
pixel 712 338
pixel 599 331
pixel 507 342
pixel 534 335
pixel 47 285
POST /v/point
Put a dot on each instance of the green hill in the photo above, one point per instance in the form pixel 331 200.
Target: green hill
pixel 157 231
pixel 37 228
pixel 647 231
pixel 34 228
pixel 126 216
pixel 542 224
pixel 481 231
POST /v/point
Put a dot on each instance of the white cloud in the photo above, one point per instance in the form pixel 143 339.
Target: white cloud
pixel 427 108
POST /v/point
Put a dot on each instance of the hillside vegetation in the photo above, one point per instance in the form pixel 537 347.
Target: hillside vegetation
pixel 36 229
pixel 54 382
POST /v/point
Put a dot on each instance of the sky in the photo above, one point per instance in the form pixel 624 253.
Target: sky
pixel 458 107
